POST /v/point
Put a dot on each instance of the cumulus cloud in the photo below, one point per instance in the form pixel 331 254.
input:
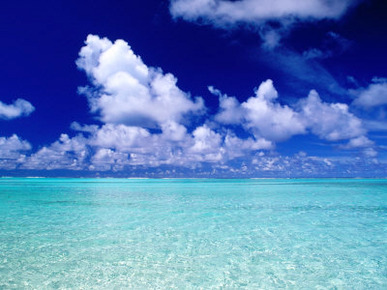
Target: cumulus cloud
pixel 118 146
pixel 142 112
pixel 230 111
pixel 12 151
pixel 19 108
pixel 330 121
pixel 372 96
pixel 267 118
pixel 65 153
pixel 126 91
pixel 121 137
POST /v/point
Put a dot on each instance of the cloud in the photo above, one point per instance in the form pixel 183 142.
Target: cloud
pixel 330 121
pixel 272 17
pixel 359 142
pixel 19 108
pixel 376 125
pixel 221 13
pixel 372 96
pixel 332 44
pixel 126 91
pixel 230 111
pixel 142 127
pixel 305 72
pixel 371 153
pixel 121 137
pixel 267 118
pixel 273 21
pixel 65 153
pixel 12 151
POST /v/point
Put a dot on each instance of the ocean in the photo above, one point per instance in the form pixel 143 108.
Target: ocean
pixel 193 233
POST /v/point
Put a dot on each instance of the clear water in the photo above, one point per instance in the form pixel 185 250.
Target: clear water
pixel 189 234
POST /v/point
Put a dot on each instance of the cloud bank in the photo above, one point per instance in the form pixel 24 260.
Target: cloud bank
pixel 148 122
pixel 13 151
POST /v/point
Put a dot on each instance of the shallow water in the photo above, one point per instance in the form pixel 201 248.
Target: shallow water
pixel 128 233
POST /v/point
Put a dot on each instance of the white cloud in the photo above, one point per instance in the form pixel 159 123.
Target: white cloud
pixel 126 91
pixel 259 13
pixel 330 121
pixel 230 111
pixel 372 96
pixel 269 119
pixel 142 111
pixel 19 108
pixel 66 153
pixel 376 125
pixel 108 159
pixel 173 131
pixel 332 44
pixel 359 142
pixel 305 71
pixel 237 147
pixel 220 12
pixel 121 137
pixel 299 163
pixel 12 151
pixel 265 117
pixel 370 152
pixel 271 38
pixel 315 53
pixel 83 128
pixel 207 144
pixel 114 147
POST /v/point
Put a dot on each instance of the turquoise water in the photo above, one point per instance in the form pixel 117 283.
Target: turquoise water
pixel 189 234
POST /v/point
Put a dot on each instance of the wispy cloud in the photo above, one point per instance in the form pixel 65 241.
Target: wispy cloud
pixel 273 22
pixel 19 108
pixel 271 18
pixel 221 13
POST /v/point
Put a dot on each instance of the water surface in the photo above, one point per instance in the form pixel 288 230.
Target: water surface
pixel 147 233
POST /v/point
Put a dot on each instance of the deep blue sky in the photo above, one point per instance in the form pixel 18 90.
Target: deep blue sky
pixel 342 57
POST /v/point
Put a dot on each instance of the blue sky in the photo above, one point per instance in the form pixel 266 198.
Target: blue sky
pixel 194 88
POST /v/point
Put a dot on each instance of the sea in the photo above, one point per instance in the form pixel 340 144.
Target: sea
pixel 193 233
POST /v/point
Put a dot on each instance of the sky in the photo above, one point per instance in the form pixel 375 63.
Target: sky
pixel 193 88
